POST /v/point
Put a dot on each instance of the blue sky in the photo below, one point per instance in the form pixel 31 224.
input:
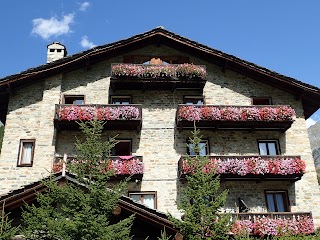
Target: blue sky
pixel 283 36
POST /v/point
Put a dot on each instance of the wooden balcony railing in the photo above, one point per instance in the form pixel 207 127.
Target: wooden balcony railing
pixel 273 223
pixel 158 77
pixel 264 117
pixel 117 116
pixel 123 166
pixel 257 168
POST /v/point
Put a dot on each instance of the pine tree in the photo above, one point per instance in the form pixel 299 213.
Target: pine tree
pixel 202 200
pixel 81 211
pixel 6 230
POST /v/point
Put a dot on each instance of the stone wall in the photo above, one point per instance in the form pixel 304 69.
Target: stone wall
pixel 31 114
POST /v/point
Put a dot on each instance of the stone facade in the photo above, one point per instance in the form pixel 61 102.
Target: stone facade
pixel 31 113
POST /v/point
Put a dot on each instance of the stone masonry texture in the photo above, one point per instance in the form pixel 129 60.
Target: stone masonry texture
pixel 31 113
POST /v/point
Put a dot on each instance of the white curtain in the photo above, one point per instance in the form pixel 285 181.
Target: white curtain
pixel 149 200
pixel 26 153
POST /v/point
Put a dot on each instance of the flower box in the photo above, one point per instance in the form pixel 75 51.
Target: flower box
pixel 116 116
pixel 123 167
pixel 235 117
pixel 146 76
pixel 272 224
pixel 249 167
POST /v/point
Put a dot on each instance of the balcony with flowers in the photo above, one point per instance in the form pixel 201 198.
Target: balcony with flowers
pixel 272 224
pixel 147 76
pixel 257 168
pixel 122 166
pixel 116 116
pixel 262 117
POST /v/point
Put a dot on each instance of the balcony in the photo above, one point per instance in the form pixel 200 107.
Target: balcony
pixel 275 223
pixel 126 117
pixel 264 117
pixel 157 77
pixel 123 166
pixel 256 168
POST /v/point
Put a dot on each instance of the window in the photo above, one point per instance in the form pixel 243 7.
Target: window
pixel 261 101
pixel 74 99
pixel 146 198
pixel 26 152
pixel 156 59
pixel 268 147
pixel 204 148
pixel 277 201
pixel 191 100
pixel 122 148
pixel 120 99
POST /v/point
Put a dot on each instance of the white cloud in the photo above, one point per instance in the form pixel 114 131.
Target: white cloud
pixel 84 6
pixel 310 122
pixel 85 43
pixel 47 28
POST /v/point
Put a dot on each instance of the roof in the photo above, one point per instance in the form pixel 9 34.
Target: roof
pixel 28 193
pixel 310 95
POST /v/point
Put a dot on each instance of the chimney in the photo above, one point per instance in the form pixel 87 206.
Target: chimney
pixel 56 51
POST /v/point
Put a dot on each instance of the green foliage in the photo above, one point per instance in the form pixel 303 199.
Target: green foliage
pixel 6 230
pixel 164 235
pixel 1 136
pixel 84 210
pixel 202 201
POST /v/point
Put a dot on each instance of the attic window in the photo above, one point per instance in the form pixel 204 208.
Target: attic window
pixel 121 100
pixel 156 59
pixel 74 99
pixel 59 50
pixel 51 50
pixel 261 101
pixel 192 100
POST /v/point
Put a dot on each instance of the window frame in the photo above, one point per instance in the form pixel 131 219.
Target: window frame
pixel 253 98
pixel 121 96
pixel 193 97
pixel 285 196
pixel 154 193
pixel 123 140
pixel 207 148
pixel 275 141
pixel 142 59
pixel 20 153
pixel 73 96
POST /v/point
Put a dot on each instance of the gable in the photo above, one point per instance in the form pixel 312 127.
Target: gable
pixel 308 94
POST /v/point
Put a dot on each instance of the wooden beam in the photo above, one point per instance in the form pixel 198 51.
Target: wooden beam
pixel 300 94
pixel 9 89
pixel 88 64
pixel 225 66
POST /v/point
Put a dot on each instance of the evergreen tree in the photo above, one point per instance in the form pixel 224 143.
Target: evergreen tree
pixel 6 230
pixel 81 211
pixel 202 200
